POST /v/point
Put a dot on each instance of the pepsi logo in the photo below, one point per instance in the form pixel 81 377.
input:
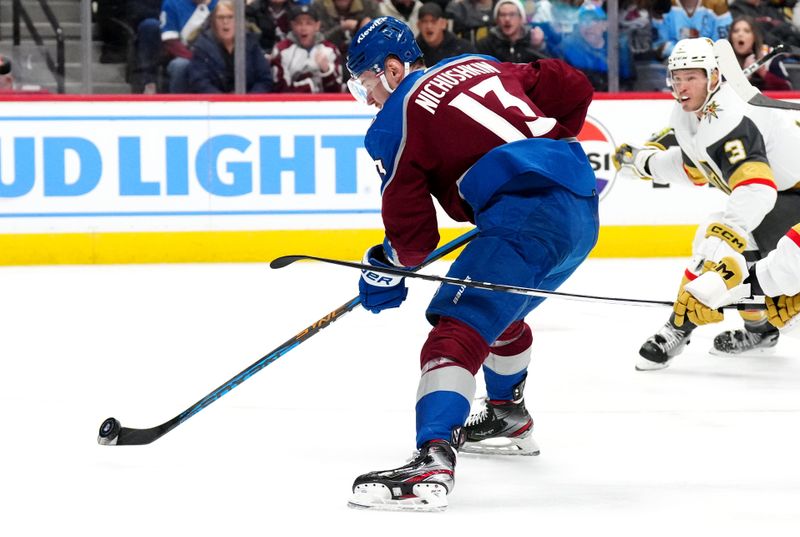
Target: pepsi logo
pixel 599 146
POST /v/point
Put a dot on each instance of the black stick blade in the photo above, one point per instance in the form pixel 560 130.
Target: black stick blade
pixel 113 434
pixel 285 261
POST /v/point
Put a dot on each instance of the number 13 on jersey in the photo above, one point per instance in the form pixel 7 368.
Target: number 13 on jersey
pixel 500 126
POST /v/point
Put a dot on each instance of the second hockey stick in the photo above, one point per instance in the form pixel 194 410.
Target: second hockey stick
pixel 729 67
pixel 757 303
pixel 763 60
pixel 113 434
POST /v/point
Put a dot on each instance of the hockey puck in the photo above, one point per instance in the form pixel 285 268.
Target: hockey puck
pixel 109 431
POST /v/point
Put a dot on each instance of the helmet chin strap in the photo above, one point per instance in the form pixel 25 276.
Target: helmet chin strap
pixel 406 70
pixel 709 93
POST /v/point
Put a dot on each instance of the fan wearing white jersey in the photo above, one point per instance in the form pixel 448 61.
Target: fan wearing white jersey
pixel 747 152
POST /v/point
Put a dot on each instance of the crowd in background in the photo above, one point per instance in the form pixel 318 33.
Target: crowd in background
pixel 187 46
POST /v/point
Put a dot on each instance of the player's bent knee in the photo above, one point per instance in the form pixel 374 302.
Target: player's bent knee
pixel 457 341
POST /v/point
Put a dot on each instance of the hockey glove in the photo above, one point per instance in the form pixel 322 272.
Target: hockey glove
pixel 380 291
pixel 719 285
pixel 783 310
pixel 722 240
pixel 635 158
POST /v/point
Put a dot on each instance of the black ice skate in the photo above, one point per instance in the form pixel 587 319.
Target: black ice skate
pixel 421 485
pixel 744 342
pixel 501 428
pixel 662 347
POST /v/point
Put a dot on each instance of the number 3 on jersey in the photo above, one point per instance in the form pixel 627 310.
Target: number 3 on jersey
pixel 735 151
pixel 493 121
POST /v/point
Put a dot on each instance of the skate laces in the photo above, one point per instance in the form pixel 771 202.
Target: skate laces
pixel 481 416
pixel 669 337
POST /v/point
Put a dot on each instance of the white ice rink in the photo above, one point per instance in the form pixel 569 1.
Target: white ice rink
pixel 708 446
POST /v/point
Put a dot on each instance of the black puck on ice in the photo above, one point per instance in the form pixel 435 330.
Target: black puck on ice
pixel 109 431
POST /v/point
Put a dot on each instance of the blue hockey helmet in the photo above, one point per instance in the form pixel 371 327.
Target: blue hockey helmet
pixel 380 38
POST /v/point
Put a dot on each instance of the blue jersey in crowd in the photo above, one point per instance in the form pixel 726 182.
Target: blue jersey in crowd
pixel 176 13
pixel 678 24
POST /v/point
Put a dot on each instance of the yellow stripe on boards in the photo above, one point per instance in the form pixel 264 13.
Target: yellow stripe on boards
pixel 263 246
pixel 645 241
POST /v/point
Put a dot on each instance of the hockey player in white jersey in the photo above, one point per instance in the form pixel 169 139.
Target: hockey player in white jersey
pixel 777 277
pixel 749 153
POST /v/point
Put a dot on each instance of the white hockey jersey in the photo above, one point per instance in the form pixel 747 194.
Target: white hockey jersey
pixel 779 272
pixel 748 152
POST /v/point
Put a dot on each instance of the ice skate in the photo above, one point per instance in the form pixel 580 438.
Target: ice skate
pixel 662 347
pixel 742 342
pixel 501 428
pixel 421 485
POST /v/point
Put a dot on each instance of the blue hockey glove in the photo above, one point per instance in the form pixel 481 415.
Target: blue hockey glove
pixel 380 291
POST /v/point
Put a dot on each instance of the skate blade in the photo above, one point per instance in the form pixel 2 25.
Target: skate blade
pixel 764 351
pixel 526 447
pixel 428 497
pixel 643 364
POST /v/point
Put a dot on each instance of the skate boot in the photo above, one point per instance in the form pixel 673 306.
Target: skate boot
pixel 421 485
pixel 662 347
pixel 744 342
pixel 501 428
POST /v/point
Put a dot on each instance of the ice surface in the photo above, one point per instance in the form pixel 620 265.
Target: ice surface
pixel 708 445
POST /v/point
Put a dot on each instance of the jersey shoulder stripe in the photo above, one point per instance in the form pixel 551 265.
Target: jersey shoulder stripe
pixel 749 173
pixel 794 235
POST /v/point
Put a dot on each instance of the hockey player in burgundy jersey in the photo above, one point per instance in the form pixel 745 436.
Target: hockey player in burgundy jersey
pixel 494 144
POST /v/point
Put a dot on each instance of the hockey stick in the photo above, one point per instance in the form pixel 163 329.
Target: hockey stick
pixel 515 289
pixel 777 51
pixel 112 433
pixel 729 67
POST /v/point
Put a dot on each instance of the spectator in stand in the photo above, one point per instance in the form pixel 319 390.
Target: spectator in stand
pixel 587 49
pixel 723 13
pixel 181 22
pixel 341 19
pixel 565 15
pixel 688 19
pixel 749 46
pixel 6 76
pixel 552 39
pixel 770 19
pixel 9 85
pixel 435 41
pixel 270 19
pixel 542 11
pixel 404 10
pixel 471 18
pixel 142 16
pixel 211 69
pixel 305 62
pixel 511 40
pixel 637 26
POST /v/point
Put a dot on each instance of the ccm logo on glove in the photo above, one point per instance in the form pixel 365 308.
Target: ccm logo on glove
pixel 728 235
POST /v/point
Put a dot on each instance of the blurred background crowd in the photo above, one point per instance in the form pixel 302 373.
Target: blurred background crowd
pixel 299 46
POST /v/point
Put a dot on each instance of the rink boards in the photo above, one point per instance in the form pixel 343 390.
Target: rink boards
pixel 154 180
